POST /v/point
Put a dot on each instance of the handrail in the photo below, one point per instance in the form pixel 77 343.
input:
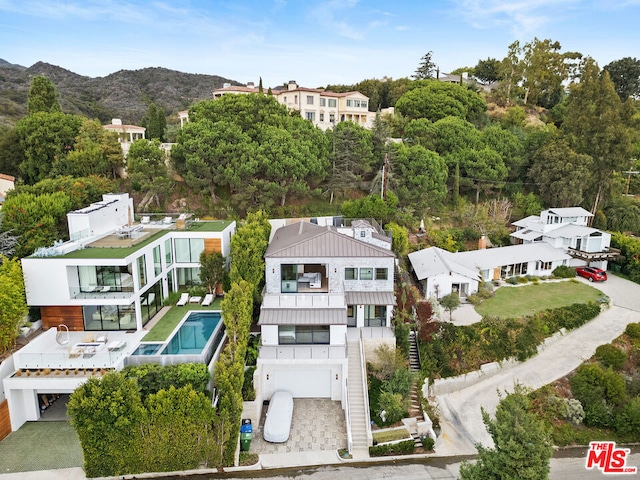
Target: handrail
pixel 365 385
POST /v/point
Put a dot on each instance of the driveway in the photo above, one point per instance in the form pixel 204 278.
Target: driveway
pixel 460 414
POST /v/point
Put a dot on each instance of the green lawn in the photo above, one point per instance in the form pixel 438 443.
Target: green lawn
pixel 161 330
pixel 510 302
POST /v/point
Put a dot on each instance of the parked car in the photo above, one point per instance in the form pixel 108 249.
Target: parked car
pixel 592 274
pixel 277 425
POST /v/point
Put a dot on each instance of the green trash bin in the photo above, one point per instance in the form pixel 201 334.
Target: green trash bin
pixel 245 441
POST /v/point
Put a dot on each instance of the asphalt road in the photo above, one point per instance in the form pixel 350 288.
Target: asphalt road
pixel 460 414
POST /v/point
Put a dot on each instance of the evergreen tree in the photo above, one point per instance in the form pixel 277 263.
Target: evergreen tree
pixel 156 123
pixel 42 96
pixel 427 67
pixel 522 444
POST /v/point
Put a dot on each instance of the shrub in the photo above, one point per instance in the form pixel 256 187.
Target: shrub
pixel 627 418
pixel 512 280
pixel 564 271
pixel 611 356
pixel 633 330
pixel 391 435
pixel 400 382
pixel 393 406
pixel 428 443
pixel 598 390
pixel 197 291
pixel 408 446
pixel 248 392
pixel 523 280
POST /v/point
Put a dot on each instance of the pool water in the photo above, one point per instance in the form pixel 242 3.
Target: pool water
pixel 148 349
pixel 193 334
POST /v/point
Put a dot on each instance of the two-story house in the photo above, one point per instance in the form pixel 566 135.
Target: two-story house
pixel 321 107
pixel 114 273
pixel 324 286
pixel 567 228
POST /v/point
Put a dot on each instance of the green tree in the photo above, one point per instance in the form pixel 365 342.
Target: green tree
pixel 237 308
pixel 399 238
pixel 372 206
pixel 598 124
pixel 625 75
pixel 426 69
pixel 450 302
pixel 211 270
pixel 487 71
pixel 42 96
pixel 147 170
pixel 248 247
pixel 156 123
pixel 351 156
pixel 419 177
pixel 96 151
pixel 434 100
pixel 45 138
pixel 108 416
pixel 522 444
pixel 13 304
pixel 11 152
pixel 560 173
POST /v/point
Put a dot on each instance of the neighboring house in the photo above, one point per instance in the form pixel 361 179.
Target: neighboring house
pixel 325 286
pixel 321 107
pixel 127 134
pixel 114 273
pixel 441 272
pixel 566 228
pixel 559 236
pixel 7 183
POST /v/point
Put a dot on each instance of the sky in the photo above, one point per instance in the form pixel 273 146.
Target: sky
pixel 314 42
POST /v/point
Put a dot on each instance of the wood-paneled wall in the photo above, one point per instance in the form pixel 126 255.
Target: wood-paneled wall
pixel 5 420
pixel 213 245
pixel 71 316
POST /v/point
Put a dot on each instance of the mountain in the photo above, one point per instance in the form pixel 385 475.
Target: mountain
pixel 125 94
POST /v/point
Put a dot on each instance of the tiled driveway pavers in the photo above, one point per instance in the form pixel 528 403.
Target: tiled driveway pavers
pixel 318 424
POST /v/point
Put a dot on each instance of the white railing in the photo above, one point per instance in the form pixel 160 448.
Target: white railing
pixel 68 361
pixel 303 300
pixel 365 395
pixel 347 416
pixel 303 352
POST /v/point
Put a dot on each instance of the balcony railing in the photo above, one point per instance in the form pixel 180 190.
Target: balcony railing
pixel 303 352
pixel 100 292
pixel 304 300
pixel 608 254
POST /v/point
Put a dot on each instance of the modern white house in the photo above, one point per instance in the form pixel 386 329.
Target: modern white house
pixel 567 228
pixel 96 293
pixel 321 107
pixel 114 272
pixel 558 236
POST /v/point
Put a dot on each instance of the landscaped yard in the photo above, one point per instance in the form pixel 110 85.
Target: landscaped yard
pixel 161 330
pixel 510 302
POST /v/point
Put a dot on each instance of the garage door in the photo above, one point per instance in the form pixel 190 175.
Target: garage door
pixel 304 383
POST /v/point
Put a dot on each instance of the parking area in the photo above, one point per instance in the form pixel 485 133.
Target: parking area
pixel 318 424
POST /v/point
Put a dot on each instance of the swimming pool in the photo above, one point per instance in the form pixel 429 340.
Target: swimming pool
pixel 196 338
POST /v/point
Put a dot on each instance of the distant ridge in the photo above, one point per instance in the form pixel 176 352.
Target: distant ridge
pixel 125 94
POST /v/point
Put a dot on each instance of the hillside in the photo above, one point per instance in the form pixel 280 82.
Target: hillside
pixel 125 94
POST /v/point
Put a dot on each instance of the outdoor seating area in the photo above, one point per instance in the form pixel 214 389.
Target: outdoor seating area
pixel 205 301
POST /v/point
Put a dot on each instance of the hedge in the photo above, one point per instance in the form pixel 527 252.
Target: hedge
pixel 400 448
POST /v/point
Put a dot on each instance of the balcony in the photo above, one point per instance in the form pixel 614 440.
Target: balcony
pixel 100 292
pixel 304 300
pixel 608 254
pixel 303 352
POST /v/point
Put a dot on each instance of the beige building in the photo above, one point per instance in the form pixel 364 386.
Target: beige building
pixel 127 134
pixel 321 107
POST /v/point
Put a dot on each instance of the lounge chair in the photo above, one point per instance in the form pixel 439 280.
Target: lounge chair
pixel 208 298
pixel 145 220
pixel 184 298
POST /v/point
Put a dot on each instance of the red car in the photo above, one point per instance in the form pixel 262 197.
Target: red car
pixel 592 274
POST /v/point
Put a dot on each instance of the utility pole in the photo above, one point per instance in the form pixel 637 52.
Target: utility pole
pixel 629 173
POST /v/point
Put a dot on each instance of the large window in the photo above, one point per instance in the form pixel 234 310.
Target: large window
pixel 381 274
pixel 375 315
pixel 311 116
pixel 142 271
pixel 157 264
pixel 350 273
pixel 323 102
pixel 351 316
pixel 105 278
pixel 309 99
pixel 289 278
pixel 332 102
pixel 168 256
pixel 366 273
pixel 188 250
pixel 188 277
pixel 298 334
pixel 109 317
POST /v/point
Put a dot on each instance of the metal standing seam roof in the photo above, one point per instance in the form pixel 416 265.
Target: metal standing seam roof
pixel 303 316
pixel 370 298
pixel 305 240
pixel 571 230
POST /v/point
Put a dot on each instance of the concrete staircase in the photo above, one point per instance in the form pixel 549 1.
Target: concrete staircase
pixel 357 414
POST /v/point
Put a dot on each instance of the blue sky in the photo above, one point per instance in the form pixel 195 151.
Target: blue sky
pixel 315 42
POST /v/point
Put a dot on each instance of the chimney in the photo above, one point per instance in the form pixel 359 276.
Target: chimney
pixel 250 85
pixel 292 85
pixel 116 121
pixel 482 242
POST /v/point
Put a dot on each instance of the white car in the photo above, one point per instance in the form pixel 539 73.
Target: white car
pixel 277 425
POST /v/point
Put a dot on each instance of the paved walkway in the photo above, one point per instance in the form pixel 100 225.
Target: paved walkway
pixel 461 418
